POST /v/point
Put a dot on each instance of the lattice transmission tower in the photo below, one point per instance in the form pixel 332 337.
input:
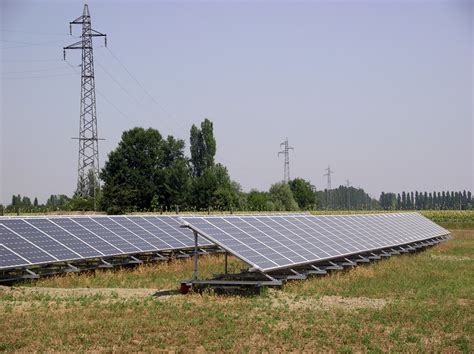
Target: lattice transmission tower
pixel 286 163
pixel 88 163
pixel 329 187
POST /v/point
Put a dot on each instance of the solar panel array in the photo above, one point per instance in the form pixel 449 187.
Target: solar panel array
pixel 274 242
pixel 41 240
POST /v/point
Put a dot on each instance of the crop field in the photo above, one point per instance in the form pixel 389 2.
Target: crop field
pixel 416 302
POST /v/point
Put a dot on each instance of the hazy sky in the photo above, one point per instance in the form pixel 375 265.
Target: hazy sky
pixel 380 90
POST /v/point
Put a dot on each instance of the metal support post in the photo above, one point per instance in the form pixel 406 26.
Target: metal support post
pixel 195 271
pixel 225 263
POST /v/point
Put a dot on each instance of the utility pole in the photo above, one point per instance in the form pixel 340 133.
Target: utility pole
pixel 348 185
pixel 88 162
pixel 328 175
pixel 286 153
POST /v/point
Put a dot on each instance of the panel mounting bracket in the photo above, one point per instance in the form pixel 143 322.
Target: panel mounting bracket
pixel 72 269
pixel 335 266
pixel 105 264
pixel 30 275
pixel 135 260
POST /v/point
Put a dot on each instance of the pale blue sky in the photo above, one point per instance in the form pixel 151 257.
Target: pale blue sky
pixel 380 90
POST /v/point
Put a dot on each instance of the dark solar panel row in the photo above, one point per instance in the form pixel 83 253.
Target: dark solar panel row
pixel 273 242
pixel 38 240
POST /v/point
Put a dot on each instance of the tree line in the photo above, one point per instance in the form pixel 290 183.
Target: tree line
pixel 147 172
pixel 445 200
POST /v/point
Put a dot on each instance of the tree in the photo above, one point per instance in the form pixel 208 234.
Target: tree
pixel 282 197
pixel 92 184
pixel 142 166
pixel 214 189
pixel 304 193
pixel 388 201
pixel 258 201
pixel 211 184
pixel 16 200
pixel 26 202
pixel 203 147
pixel 35 202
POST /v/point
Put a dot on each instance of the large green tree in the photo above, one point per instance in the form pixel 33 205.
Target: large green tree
pixel 211 183
pixel 259 201
pixel 282 197
pixel 304 193
pixel 203 147
pixel 145 165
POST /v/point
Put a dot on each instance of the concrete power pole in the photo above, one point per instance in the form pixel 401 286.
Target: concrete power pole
pixel 88 162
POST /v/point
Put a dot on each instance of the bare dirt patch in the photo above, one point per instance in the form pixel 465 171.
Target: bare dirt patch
pixel 122 293
pixel 451 258
pixel 327 302
pixel 465 302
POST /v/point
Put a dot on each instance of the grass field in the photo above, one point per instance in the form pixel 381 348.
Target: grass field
pixel 419 302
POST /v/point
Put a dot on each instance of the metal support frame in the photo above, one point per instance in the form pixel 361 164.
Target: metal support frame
pixel 348 262
pixel 195 270
pixel 225 263
pixel 182 254
pixel 335 266
pixel 255 278
pixel 160 257
pixel 72 268
pixel 51 269
pixel 105 264
pixel 135 260
pixel 30 274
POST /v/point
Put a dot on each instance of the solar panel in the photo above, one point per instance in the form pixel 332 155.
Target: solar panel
pixel 274 242
pixel 27 241
pixel 8 258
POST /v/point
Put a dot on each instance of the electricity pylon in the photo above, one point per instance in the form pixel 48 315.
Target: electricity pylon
pixel 88 163
pixel 286 163
pixel 328 174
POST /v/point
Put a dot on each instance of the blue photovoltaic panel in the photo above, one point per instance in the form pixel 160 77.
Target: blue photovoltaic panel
pixel 9 259
pixel 86 236
pixel 21 246
pixel 42 240
pixel 270 242
pixel 92 225
pixel 150 236
pixel 158 226
pixel 65 238
pixel 125 234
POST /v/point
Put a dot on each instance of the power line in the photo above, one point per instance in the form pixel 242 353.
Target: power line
pixel 100 93
pixel 117 83
pixel 33 71
pixel 35 77
pixel 34 33
pixel 31 61
pixel 28 44
pixel 182 128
